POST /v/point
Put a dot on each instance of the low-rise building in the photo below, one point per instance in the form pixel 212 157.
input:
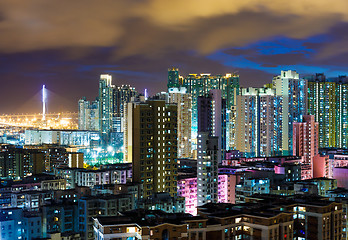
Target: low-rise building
pixel 248 187
pixel 319 186
pixel 15 223
pixel 60 217
pixel 187 188
pixel 31 200
pixel 163 201
pixel 263 217
pixel 142 224
pixel 103 205
pixel 84 177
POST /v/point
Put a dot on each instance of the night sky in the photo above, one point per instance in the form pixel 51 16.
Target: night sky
pixel 67 44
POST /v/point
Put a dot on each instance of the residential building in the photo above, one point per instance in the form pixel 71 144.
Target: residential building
pixel 18 224
pixel 31 200
pixel 320 186
pixel 327 101
pixel 258 122
pixel 105 105
pixel 121 96
pixel 268 217
pixel 142 224
pixel 250 186
pixel 102 205
pixel 118 173
pixel 60 217
pixel 209 156
pixel 293 91
pixel 291 171
pixel 341 175
pixel 88 115
pixel 187 188
pixel 152 145
pixel 212 116
pixel 73 138
pixel 183 101
pixel 163 201
pixel 305 138
pixel 200 85
pixel 16 163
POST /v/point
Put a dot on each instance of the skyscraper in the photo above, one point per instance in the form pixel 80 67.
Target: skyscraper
pixel 183 101
pixel 305 139
pixel 212 116
pixel 105 105
pixel 328 102
pixel 173 78
pixel 88 115
pixel 152 145
pixel 82 113
pixel 200 85
pixel 209 156
pixel 121 96
pixel 293 91
pixel 258 122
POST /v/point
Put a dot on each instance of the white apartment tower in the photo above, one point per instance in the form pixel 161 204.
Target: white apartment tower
pixel 258 122
pixel 293 91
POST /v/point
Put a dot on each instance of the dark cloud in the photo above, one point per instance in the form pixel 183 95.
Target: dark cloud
pixel 149 27
pixel 240 51
pixel 281 59
pixel 253 77
pixel 327 50
pixel 67 44
pixel 335 46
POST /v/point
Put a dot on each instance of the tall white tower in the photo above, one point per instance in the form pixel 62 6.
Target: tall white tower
pixel 293 91
pixel 44 103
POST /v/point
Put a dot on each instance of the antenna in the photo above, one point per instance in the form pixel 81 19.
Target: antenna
pixel 145 94
pixel 43 102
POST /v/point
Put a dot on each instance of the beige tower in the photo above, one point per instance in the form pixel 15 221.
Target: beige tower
pixel 184 102
pixel 152 145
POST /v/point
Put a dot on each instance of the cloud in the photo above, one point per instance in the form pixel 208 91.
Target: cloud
pixel 152 27
pixel 65 43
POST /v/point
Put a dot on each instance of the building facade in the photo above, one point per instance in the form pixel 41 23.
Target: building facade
pixel 305 139
pixel 293 91
pixel 327 101
pixel 200 85
pixel 105 105
pixel 184 102
pixel 209 156
pixel 258 122
pixel 152 145
pixel 88 115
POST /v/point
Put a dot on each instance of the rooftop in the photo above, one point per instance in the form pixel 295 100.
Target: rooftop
pixel 147 218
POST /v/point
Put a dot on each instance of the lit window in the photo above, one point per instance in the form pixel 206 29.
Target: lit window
pixel 131 230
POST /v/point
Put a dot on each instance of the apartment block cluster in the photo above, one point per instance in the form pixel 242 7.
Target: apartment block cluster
pixel 206 159
pixel 106 113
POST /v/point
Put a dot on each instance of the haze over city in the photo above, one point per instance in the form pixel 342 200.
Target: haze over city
pixel 68 44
